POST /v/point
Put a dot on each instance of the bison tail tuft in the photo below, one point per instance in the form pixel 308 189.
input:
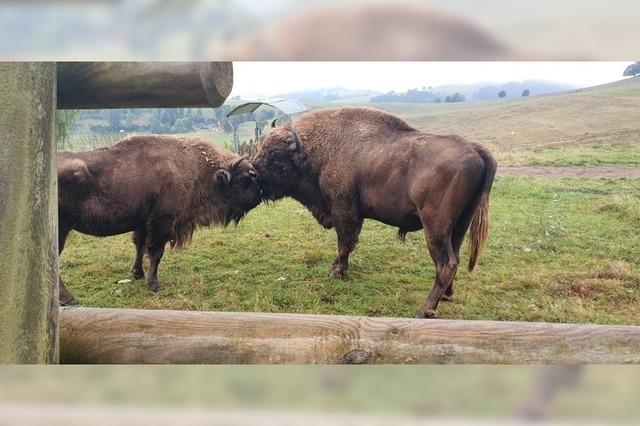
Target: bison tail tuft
pixel 402 235
pixel 479 228
pixel 479 231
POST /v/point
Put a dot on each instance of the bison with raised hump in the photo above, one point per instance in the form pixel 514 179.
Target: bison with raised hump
pixel 160 187
pixel 349 164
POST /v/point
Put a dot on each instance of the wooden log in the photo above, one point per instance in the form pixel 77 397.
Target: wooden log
pixel 86 85
pixel 106 336
pixel 28 214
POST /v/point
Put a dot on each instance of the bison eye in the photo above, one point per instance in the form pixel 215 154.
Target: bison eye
pixel 245 181
pixel 280 155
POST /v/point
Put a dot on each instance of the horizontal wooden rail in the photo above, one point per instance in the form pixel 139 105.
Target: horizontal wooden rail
pixel 86 85
pixel 113 336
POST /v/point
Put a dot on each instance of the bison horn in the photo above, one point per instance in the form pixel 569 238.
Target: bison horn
pixel 238 161
pixel 273 123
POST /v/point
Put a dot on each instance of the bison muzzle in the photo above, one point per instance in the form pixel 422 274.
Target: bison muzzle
pixel 349 164
pixel 159 187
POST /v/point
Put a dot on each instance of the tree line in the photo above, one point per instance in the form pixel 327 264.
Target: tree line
pixel 163 120
pixel 423 95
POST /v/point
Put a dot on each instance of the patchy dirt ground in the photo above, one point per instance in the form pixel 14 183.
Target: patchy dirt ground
pixel 570 171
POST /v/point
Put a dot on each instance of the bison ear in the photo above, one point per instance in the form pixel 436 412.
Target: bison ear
pixel 222 177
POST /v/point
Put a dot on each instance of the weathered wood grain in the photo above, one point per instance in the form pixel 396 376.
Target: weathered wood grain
pixel 85 85
pixel 92 335
pixel 28 214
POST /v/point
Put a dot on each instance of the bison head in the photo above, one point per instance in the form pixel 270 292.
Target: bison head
pixel 239 184
pixel 280 162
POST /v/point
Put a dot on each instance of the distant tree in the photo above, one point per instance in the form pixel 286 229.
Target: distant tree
pixel 632 70
pixel 456 97
pixel 183 125
pixel 65 122
pixel 502 94
pixel 412 95
pixel 197 117
pixel 114 120
pixel 169 116
pixel 526 92
pixel 155 126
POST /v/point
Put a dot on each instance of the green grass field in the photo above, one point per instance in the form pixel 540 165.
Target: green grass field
pixel 594 155
pixel 561 250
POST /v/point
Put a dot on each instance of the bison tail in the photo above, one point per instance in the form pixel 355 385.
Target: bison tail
pixel 479 228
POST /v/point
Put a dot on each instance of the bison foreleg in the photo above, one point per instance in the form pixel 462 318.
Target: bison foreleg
pixel 155 255
pixel 157 237
pixel 65 298
pixel 139 239
pixel 348 226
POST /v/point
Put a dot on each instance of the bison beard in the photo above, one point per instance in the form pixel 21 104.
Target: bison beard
pixel 161 188
pixel 349 164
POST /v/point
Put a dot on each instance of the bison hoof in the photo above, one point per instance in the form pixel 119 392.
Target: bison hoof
pixel 426 313
pixel 68 302
pixel 137 274
pixel 338 273
pixel 155 287
pixel 446 298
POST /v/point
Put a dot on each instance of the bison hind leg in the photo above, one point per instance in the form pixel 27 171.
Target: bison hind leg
pixel 439 244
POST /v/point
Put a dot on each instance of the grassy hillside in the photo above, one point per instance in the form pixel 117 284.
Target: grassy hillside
pixel 521 131
pixel 608 113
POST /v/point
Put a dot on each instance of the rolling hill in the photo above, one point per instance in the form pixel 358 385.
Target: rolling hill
pixel 606 114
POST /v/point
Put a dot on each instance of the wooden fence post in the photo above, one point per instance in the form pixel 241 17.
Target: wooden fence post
pixel 28 214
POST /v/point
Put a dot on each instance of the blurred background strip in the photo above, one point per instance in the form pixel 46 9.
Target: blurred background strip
pixel 320 30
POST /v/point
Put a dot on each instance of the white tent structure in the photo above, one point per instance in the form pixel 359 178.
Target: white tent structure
pixel 287 107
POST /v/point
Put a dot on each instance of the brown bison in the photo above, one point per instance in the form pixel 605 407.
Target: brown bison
pixel 349 164
pixel 159 187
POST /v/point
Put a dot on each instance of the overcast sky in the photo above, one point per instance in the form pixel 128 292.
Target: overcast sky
pixel 260 79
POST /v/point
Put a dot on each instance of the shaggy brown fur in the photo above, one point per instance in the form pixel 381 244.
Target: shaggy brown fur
pixel 159 187
pixel 349 164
